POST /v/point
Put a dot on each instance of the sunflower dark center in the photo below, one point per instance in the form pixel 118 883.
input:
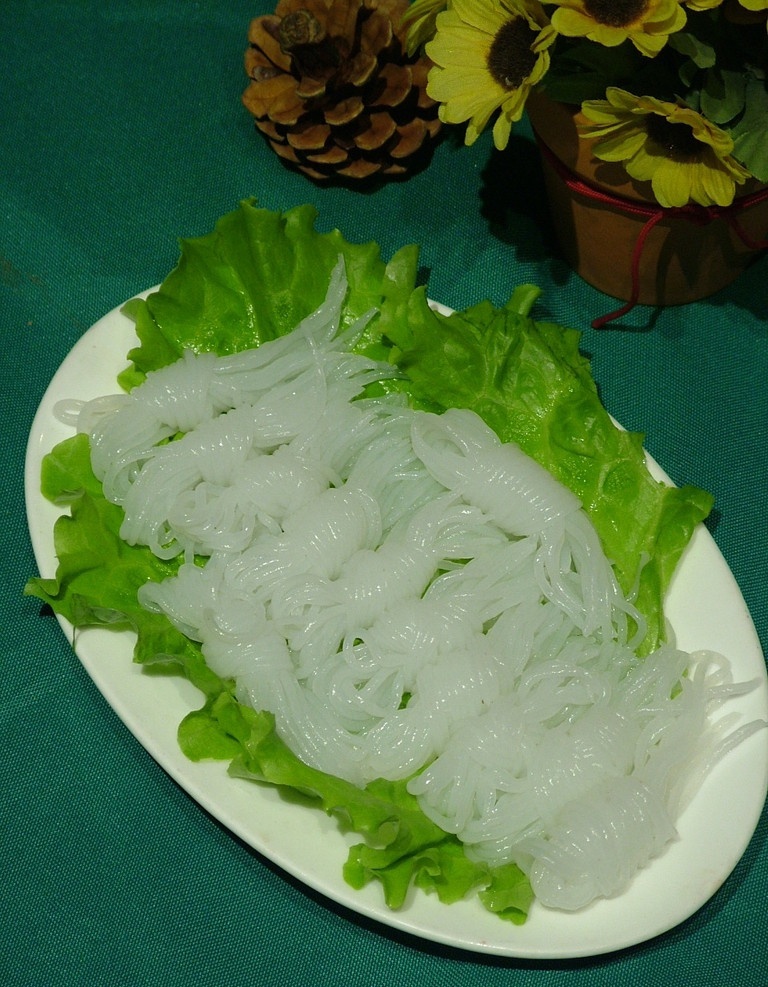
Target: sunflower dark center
pixel 676 140
pixel 615 13
pixel 510 59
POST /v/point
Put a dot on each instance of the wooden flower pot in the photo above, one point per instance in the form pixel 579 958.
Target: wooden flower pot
pixel 614 234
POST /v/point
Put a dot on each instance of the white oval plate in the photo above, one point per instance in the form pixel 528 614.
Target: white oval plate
pixel 706 610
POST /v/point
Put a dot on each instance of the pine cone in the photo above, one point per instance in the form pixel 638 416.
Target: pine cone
pixel 333 90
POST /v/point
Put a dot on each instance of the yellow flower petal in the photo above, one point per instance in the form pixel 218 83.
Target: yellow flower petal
pixel 621 146
pixel 649 44
pixel 572 23
pixel 501 131
pixel 717 186
pixel 672 186
pixel 484 16
pixel 642 165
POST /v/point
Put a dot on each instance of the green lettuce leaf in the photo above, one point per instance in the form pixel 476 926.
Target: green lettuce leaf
pixel 530 383
pixel 253 278
pixel 403 847
pixel 98 575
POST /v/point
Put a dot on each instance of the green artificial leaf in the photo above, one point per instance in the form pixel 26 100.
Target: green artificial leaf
pixel 723 95
pixel 687 73
pixel 702 53
pixel 750 145
pixel 584 70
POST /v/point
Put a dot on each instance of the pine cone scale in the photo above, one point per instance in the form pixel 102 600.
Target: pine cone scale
pixel 344 112
pixel 262 38
pixel 360 69
pixel 412 136
pixel 379 130
pixel 341 18
pixel 309 89
pixel 274 97
pixel 360 169
pixel 376 34
pixel 311 138
pixel 398 84
pixel 333 156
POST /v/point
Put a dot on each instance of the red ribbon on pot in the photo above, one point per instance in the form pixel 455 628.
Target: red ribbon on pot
pixel 699 215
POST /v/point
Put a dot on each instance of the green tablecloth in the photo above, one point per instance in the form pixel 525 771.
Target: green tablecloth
pixel 121 129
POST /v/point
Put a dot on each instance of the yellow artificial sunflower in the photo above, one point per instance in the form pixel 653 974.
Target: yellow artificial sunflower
pixel 487 55
pixel 684 156
pixel 646 23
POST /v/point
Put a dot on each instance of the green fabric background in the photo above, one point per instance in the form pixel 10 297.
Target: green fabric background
pixel 121 129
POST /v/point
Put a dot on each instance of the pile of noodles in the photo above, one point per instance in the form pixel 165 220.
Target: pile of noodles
pixel 411 598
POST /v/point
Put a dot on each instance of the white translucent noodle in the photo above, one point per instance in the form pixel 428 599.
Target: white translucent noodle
pixel 412 599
